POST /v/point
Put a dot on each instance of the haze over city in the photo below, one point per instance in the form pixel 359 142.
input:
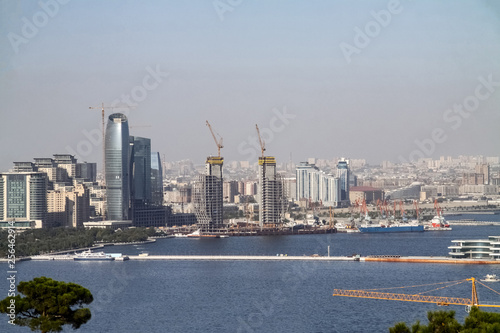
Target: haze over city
pixel 363 79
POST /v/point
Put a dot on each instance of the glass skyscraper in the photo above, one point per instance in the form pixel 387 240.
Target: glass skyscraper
pixel 343 174
pixel 156 179
pixel 117 163
pixel 141 166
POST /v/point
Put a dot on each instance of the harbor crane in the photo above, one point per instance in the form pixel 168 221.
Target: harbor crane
pixel 261 142
pixel 415 204
pixel 102 107
pixel 439 300
pixel 439 211
pixel 217 142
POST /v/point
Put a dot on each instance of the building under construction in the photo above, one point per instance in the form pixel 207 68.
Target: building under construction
pixel 208 192
pixel 272 199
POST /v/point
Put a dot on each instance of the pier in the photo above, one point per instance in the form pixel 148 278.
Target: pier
pixel 283 257
pixel 241 257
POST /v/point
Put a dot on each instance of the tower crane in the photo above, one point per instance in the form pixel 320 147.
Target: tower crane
pixel 102 107
pixel 261 142
pixel 217 142
pixel 439 300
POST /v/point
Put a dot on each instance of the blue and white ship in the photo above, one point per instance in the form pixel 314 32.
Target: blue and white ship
pixel 395 227
pixel 385 226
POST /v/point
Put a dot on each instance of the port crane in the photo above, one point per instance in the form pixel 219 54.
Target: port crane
pixel 439 300
pixel 415 204
pixel 217 142
pixel 102 107
pixel 439 211
pixel 401 208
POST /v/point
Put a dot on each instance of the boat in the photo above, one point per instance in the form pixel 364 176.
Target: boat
pixel 89 255
pixel 437 223
pixel 390 227
pixel 490 278
pixel 199 234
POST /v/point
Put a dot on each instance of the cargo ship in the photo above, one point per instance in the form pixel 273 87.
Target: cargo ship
pixel 391 227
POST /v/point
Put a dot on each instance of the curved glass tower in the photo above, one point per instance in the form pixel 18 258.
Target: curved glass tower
pixel 117 167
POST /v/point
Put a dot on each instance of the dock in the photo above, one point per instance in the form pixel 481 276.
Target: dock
pixel 284 257
pixel 241 257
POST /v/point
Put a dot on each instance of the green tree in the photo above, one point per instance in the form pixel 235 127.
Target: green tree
pixel 444 322
pixel 48 305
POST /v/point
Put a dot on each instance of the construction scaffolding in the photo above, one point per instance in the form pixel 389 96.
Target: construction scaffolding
pixel 208 197
pixel 272 198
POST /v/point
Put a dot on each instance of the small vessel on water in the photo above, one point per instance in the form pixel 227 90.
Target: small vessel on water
pixel 199 234
pixel 490 278
pixel 438 222
pixel 89 255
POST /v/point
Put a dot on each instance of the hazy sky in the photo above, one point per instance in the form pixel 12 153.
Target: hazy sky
pixel 381 80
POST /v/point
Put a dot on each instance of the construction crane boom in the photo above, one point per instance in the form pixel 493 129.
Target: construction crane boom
pixel 439 300
pixel 261 142
pixel 402 297
pixel 219 142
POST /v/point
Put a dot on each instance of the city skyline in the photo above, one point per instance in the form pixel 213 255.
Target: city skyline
pixel 375 80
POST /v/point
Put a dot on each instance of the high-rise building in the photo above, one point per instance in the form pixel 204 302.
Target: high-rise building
pixel 23 197
pixel 317 186
pixel 141 166
pixel 68 206
pixel 271 194
pixel 208 196
pixel 343 175
pixel 156 179
pixel 86 172
pixel 484 169
pixel 230 190
pixel 24 167
pixel 117 167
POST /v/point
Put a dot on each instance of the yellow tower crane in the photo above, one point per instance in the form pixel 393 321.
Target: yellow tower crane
pixel 102 107
pixel 261 142
pixel 439 300
pixel 217 142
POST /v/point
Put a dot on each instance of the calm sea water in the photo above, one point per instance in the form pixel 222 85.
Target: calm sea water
pixel 236 296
